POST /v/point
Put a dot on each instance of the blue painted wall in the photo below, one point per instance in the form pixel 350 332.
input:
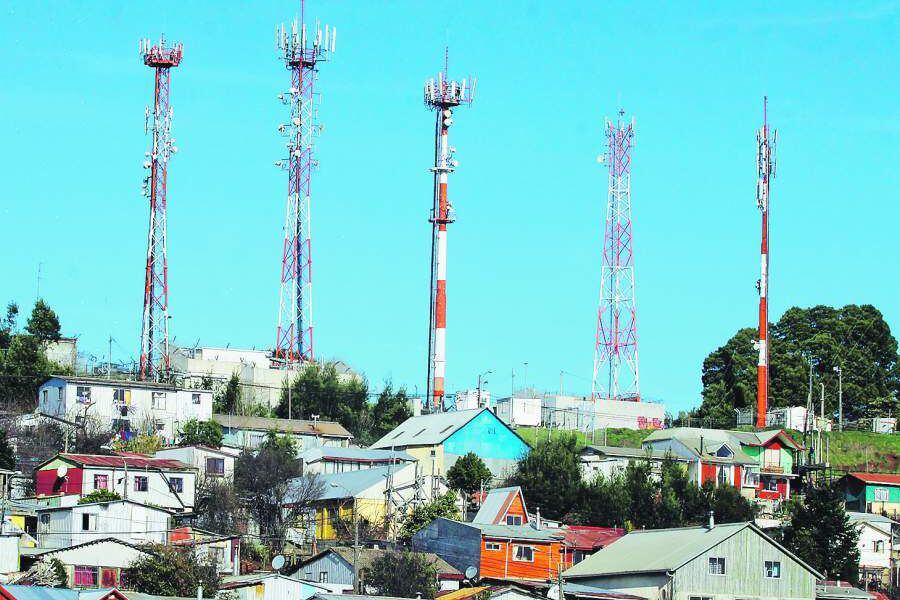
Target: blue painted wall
pixel 457 543
pixel 488 437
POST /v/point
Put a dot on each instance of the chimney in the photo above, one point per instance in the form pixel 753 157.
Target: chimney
pixel 701 445
pixel 712 520
pixel 537 517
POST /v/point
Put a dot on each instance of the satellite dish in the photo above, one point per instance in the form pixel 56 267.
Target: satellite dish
pixel 277 562
pixel 471 572
pixel 61 471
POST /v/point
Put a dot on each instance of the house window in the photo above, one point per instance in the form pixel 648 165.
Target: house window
pixel 513 519
pixel 140 483
pixel 724 451
pixel 215 466
pixel 878 545
pixel 82 394
pixel 121 396
pixel 770 484
pixel 177 484
pixel 700 598
pixel 491 546
pixel 771 457
pixel 523 553
pixel 109 578
pixel 45 395
pixel 717 566
pixel 60 393
pixel 159 400
pixel 723 476
pixel 101 482
pixel 85 576
pixel 195 398
pixel 880 494
pixel 323 576
pixel 44 524
pixel 773 569
pixel 88 522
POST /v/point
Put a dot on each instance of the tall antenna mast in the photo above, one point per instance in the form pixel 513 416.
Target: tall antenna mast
pixel 616 343
pixel 155 325
pixel 442 96
pixel 765 166
pixel 301 52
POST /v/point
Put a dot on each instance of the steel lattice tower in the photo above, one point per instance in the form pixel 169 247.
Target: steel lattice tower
pixel 441 95
pixel 301 55
pixel 765 171
pixel 616 345
pixel 155 327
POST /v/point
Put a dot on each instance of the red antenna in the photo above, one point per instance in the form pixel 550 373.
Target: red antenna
pixel 765 165
pixel 616 343
pixel 155 321
pixel 301 55
pixel 441 96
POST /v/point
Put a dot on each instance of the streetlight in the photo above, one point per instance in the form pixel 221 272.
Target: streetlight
pixel 482 381
pixel 837 369
pixel 355 537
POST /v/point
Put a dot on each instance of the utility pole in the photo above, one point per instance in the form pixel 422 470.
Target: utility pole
pixel 821 417
pixel 355 549
pixel 840 373
pixel 109 360
pixel 482 381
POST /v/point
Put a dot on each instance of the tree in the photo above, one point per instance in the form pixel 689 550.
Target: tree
pixel 47 573
pixel 8 325
pixel 7 455
pixel 100 495
pixel 468 474
pixel 820 533
pixel 43 322
pixel 203 433
pixel 550 476
pixel 23 369
pixel 218 507
pixel 604 502
pixel 172 571
pixel 390 410
pixel 318 390
pixel 141 444
pixel 403 575
pixel 270 486
pixel 443 506
pixel 228 399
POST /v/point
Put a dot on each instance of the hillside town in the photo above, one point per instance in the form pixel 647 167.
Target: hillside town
pixel 362 457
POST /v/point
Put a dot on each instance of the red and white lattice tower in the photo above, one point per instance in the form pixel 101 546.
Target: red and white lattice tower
pixel 155 327
pixel 441 95
pixel 765 171
pixel 616 345
pixel 301 51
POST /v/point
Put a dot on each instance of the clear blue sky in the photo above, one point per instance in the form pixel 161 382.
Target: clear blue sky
pixel 529 195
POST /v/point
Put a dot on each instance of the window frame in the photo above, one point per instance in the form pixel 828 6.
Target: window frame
pixel 82 394
pixel 514 518
pixel 88 522
pixel 196 398
pixel 144 480
pixel 81 570
pixel 493 546
pixel 101 477
pixel 715 560
pixel 515 552
pixel 158 400
pixel 217 461
pixel 769 566
pixel 179 487
pixel 323 576
pixel 881 494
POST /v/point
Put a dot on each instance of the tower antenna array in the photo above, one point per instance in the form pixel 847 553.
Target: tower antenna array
pixel 765 167
pixel 442 95
pixel 155 324
pixel 302 52
pixel 616 343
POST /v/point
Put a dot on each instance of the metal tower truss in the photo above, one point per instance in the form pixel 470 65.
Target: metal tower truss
pixel 616 344
pixel 765 170
pixel 155 324
pixel 301 55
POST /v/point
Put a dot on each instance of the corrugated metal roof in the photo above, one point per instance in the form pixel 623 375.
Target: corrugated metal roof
pixel 878 478
pixel 338 486
pixel 123 383
pixel 323 428
pixel 36 592
pixel 354 455
pixel 368 555
pixel 121 462
pixel 586 537
pixel 710 440
pixel 632 452
pixel 427 430
pixel 519 532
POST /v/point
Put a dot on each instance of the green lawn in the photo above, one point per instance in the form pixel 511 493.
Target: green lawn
pixel 628 438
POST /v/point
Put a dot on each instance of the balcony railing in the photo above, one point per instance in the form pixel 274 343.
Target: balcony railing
pixel 772 468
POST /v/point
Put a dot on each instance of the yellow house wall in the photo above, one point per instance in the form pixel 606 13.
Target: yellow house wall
pixel 428 465
pixel 368 509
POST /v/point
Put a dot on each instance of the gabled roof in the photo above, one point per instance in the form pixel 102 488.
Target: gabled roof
pixel 337 486
pixel 120 501
pixel 296 426
pixel 877 478
pixel 518 532
pixel 51 551
pixel 704 443
pixel 661 550
pixel 431 429
pixel 497 503
pixel 38 592
pixel 120 462
pixel 370 455
pixel 631 452
pixel 368 555
pixel 232 582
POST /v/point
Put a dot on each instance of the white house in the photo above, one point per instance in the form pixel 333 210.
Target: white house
pixel 209 462
pixel 521 412
pixel 129 406
pixel 270 586
pixel 124 520
pixel 97 563
pixel 162 482
pixel 250 432
pixel 876 547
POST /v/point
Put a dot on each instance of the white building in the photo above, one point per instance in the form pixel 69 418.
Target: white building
pixel 788 417
pixel 97 563
pixel 63 352
pixel 469 399
pixel 579 413
pixel 250 432
pixel 876 547
pixel 136 406
pixel 124 520
pixel 209 462
pixel 519 412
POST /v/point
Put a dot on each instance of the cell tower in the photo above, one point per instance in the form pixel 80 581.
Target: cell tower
pixel 301 54
pixel 765 167
pixel 441 95
pixel 616 345
pixel 155 327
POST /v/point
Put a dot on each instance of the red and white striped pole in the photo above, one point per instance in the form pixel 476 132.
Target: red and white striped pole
pixel 765 160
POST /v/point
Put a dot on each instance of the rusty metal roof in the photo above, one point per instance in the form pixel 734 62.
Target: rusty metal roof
pixel 324 428
pixel 121 462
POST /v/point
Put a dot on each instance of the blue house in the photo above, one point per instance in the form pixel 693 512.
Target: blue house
pixel 437 440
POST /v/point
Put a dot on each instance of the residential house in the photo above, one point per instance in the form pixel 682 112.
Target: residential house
pixel 250 432
pixel 735 560
pixel 93 564
pixel 35 592
pixel 877 567
pixel 506 552
pixel 841 590
pixel 329 459
pixel 760 463
pixel 162 482
pixel 873 492
pixel 223 550
pixel 269 586
pixel 209 462
pixel 131 407
pixel 582 541
pixel 125 520
pixel 610 460
pixel 335 566
pixel 437 440
pixel 503 506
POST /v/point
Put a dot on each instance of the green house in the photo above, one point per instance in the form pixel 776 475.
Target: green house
pixel 872 492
